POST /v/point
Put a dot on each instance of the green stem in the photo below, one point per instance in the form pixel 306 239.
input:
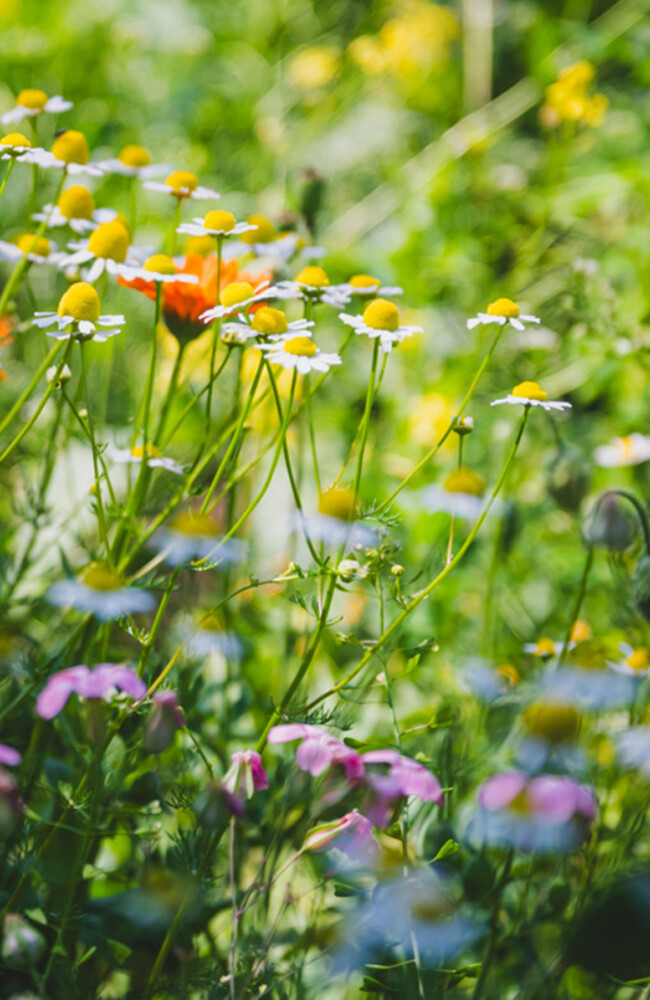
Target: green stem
pixel 10 167
pixel 312 433
pixel 169 395
pixel 148 645
pixel 365 422
pixel 26 393
pixel 101 516
pixel 216 331
pixel 37 412
pixel 176 221
pixel 580 596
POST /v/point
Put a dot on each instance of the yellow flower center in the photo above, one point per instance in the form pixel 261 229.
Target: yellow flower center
pixel 76 203
pixel 71 147
pixel 152 451
pixel 503 307
pixel 580 631
pixel 529 390
pixel 314 277
pixel 15 139
pixel 304 347
pixel 28 243
pixel 211 624
pixel 552 721
pixel 236 292
pixel 269 321
pixel 264 233
pixel 381 315
pixel 81 301
pixel 182 182
pixel 35 100
pixel 509 674
pixel 638 660
pixel 100 577
pixel 365 282
pixel 188 523
pixel 110 241
pixel 160 263
pixel 134 156
pixel 465 481
pixel 340 504
pixel 220 220
pixel 545 647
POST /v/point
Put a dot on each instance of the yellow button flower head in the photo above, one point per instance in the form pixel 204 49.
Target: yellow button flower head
pixel 580 630
pixel 152 451
pixel 638 659
pixel 365 283
pixel 551 721
pixel 71 147
pixel 189 523
pixel 160 263
pixel 220 220
pixel 15 139
pixel 465 480
pixel 33 99
pixel 265 232
pixel 182 182
pixel 531 394
pixel 338 503
pixel 301 346
pixel 28 243
pixel 381 315
pixel 312 277
pixel 134 156
pixel 545 647
pixel 76 203
pixel 529 390
pixel 235 293
pixel 110 241
pixel 100 577
pixel 503 307
pixel 503 311
pixel 81 302
pixel 268 321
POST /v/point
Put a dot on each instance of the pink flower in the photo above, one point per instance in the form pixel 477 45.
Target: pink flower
pixel 93 684
pixel 351 834
pixel 247 770
pixel 318 750
pixel 405 777
pixel 166 717
pixel 9 756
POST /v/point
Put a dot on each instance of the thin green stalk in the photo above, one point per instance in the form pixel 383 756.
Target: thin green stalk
pixel 101 516
pixel 10 167
pixel 169 395
pixel 148 645
pixel 580 596
pixel 26 393
pixel 312 432
pixel 37 412
pixel 176 221
pixel 365 422
pixel 216 331
pixel 194 400
pixel 424 594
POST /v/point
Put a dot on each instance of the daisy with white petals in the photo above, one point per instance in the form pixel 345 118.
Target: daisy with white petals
pixel 102 592
pixel 37 249
pixel 70 152
pixel 267 322
pixel 159 268
pixel 217 223
pixel 299 352
pixel 631 450
pixel 367 287
pixel 134 161
pixel 78 315
pixel 239 295
pixel 531 394
pixel 16 146
pixel 32 102
pixel 76 209
pixel 635 662
pixel 313 285
pixel 182 184
pixel 107 249
pixel 155 458
pixel 502 311
pixel 381 319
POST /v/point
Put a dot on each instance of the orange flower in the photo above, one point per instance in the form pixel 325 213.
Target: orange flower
pixel 184 303
pixel 6 329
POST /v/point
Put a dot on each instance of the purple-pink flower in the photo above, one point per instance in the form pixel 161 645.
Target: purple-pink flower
pixel 318 750
pixel 166 717
pixel 9 756
pixel 93 684
pixel 246 770
pixel 351 834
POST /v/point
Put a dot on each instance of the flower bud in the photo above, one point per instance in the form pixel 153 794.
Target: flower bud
pixel 552 722
pixel 568 476
pixel 215 805
pixel 165 718
pixel 11 806
pixel 609 525
pixel 463 426
pixel 63 376
pixel 22 944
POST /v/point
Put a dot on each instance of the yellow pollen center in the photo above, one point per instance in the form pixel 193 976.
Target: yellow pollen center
pixel 580 631
pixel 161 264
pixel 270 321
pixel 134 156
pixel 264 233
pixel 638 660
pixel 76 203
pixel 464 481
pixel 220 220
pixel 340 504
pixel 182 182
pixel 100 577
pixel 545 647
pixel 503 307
pixel 509 673
pixel 236 292
pixel 152 451
pixel 81 302
pixel 552 721
pixel 33 99
pixel 365 282
pixel 529 390
pixel 71 147
pixel 15 139
pixel 304 347
pixel 314 277
pixel 110 241
pixel 194 524
pixel 32 244
pixel 381 315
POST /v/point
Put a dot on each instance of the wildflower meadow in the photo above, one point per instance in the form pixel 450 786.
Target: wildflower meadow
pixel 325 535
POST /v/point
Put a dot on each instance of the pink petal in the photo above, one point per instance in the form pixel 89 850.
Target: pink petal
pixel 500 790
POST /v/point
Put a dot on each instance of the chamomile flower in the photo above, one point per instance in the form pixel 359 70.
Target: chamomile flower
pixel 159 268
pixel 546 648
pixel 16 146
pixel 33 102
pixel 299 352
pixel 190 536
pixel 631 450
pixel 502 311
pixel 78 315
pixel 381 319
pixel 102 592
pixel 365 286
pixel 76 209
pixel 267 322
pixel 183 184
pixel 37 249
pixel 634 748
pixel 586 682
pixel 239 295
pixel 134 161
pixel 216 223
pixel 264 240
pixel 313 285
pixel 460 494
pixel 635 662
pixel 70 152
pixel 107 249
pixel 209 636
pixel 335 522
pixel 531 394
pixel 155 458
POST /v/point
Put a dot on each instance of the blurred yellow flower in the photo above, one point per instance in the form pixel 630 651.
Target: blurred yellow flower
pixel 314 67
pixel 568 99
pixel 430 419
pixel 409 44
